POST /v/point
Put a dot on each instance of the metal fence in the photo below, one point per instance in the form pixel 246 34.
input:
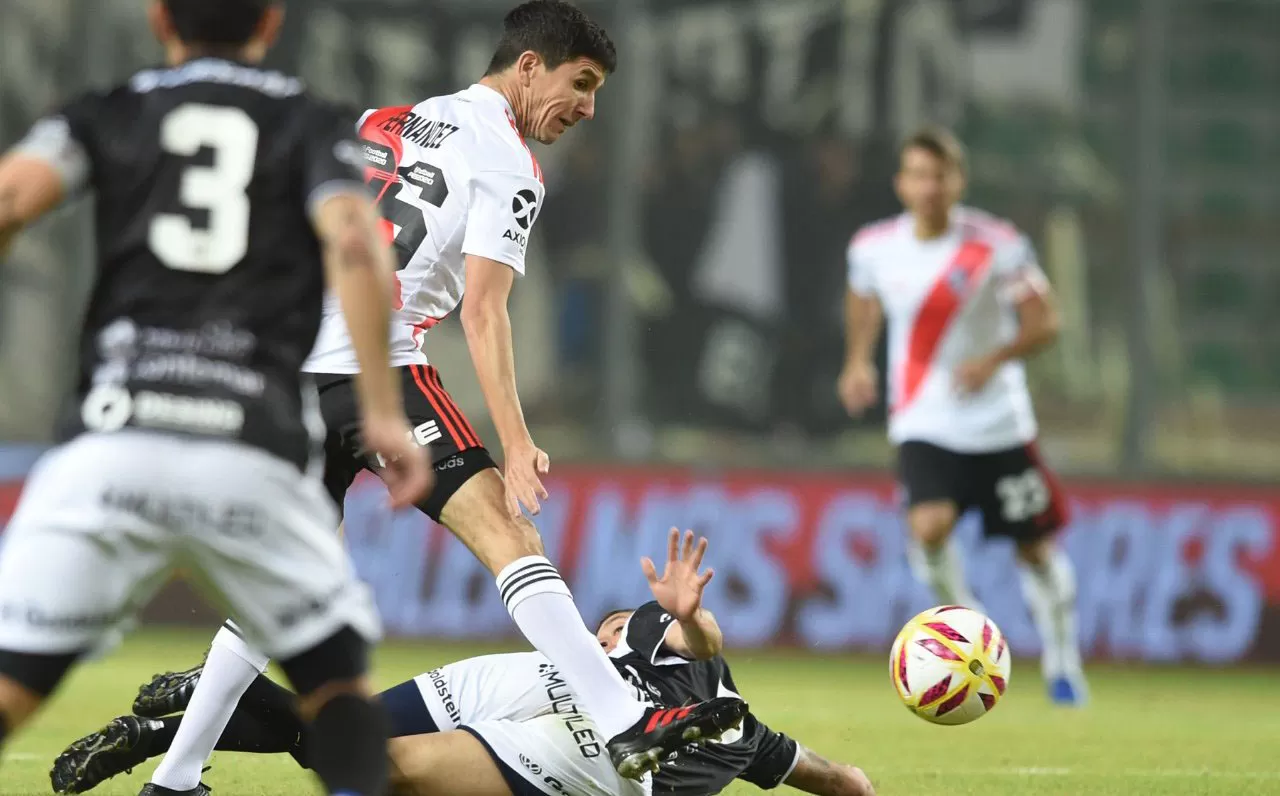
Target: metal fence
pixel 685 279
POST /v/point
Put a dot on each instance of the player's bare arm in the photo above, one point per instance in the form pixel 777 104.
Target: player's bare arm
pixel 487 326
pixel 29 188
pixel 1038 326
pixel 815 774
pixel 696 634
pixel 863 318
pixel 358 269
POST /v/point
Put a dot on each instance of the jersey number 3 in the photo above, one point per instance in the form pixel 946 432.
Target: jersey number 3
pixel 217 191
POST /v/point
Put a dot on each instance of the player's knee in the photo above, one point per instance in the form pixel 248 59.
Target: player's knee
pixel 1035 553
pixel 931 523
pixel 477 514
pixel 26 680
pixel 334 667
pixel 526 541
pixel 511 540
pixel 309 706
pixel 37 675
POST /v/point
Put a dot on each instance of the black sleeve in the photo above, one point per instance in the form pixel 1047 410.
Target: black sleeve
pixel 646 630
pixel 774 759
pixel 332 159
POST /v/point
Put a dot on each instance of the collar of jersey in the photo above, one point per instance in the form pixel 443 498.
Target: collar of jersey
pixel 482 93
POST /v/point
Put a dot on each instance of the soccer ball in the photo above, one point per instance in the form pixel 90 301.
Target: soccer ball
pixel 950 665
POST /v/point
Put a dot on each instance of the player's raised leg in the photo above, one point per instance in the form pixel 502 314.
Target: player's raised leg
pixel 542 606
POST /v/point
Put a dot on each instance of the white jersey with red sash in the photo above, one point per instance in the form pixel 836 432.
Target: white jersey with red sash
pixel 948 300
pixel 454 177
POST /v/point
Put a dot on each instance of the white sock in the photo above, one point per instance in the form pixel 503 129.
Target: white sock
pixel 1050 592
pixel 228 672
pixel 942 569
pixel 540 603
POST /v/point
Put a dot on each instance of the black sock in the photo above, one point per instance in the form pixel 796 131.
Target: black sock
pixel 348 745
pixel 162 738
pixel 275 706
pixel 245 733
pixel 4 729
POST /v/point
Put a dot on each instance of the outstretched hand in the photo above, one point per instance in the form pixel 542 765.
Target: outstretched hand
pixel 679 590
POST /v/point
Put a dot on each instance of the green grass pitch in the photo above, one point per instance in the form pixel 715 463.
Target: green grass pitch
pixel 1148 730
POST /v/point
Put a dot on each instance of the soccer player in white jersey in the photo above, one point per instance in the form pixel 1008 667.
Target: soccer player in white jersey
pixel 965 302
pixel 459 192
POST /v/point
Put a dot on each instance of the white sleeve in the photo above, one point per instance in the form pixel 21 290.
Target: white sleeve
pixel 861 272
pixel 1019 273
pixel 500 216
pixel 364 117
pixel 52 141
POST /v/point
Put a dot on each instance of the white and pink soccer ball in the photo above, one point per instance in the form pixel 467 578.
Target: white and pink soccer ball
pixel 950 665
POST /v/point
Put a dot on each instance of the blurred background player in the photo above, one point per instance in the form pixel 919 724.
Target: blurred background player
pixel 669 648
pixel 192 438
pixel 459 191
pixel 966 301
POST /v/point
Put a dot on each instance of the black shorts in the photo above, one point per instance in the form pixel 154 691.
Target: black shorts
pixel 1018 496
pixel 437 422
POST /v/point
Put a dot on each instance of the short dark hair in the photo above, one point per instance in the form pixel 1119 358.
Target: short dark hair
pixel 939 142
pixel 557 31
pixel 217 23
pixel 611 614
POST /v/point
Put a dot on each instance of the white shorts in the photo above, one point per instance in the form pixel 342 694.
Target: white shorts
pixel 516 686
pixel 556 753
pixel 105 519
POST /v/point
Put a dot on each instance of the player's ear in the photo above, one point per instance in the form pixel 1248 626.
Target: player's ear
pixel 160 21
pixel 527 66
pixel 270 25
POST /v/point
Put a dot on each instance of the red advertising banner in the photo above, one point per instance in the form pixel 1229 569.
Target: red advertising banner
pixel 818 560
pixel 1165 572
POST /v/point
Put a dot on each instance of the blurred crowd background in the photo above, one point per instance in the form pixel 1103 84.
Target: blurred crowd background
pixel 679 330
pixel 684 293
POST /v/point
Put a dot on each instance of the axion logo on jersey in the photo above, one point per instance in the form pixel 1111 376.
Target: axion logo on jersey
pixel 524 206
pixel 518 237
